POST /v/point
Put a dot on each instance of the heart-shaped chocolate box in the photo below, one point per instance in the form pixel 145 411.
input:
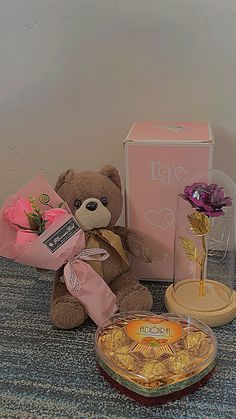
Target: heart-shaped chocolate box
pixel 155 358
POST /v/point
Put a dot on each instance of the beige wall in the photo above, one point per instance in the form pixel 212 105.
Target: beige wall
pixel 75 74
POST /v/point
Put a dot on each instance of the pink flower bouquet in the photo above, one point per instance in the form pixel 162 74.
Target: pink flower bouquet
pixel 35 230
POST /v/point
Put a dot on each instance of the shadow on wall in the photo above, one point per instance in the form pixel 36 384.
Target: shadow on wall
pixel 225 151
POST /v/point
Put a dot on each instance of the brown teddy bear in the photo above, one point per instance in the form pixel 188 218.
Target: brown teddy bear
pixel 95 200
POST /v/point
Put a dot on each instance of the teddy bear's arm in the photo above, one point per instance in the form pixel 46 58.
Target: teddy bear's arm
pixel 134 243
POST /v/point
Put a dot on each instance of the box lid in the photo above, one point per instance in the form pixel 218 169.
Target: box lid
pixel 171 132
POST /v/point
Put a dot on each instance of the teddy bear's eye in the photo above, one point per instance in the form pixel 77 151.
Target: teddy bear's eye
pixel 77 203
pixel 104 201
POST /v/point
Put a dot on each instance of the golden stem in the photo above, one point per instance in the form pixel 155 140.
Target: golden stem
pixel 202 284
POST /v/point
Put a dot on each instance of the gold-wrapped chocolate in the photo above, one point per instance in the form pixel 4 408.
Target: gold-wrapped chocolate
pixel 124 350
pixel 153 370
pixel 123 356
pixel 193 340
pixel 179 363
pixel 113 339
pixel 204 347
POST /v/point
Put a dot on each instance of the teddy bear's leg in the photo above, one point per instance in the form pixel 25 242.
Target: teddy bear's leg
pixel 131 295
pixel 66 310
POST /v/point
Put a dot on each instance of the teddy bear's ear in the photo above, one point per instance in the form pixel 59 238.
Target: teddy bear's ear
pixel 112 173
pixel 67 176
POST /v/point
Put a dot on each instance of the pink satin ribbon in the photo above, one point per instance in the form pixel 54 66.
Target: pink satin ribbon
pixel 88 287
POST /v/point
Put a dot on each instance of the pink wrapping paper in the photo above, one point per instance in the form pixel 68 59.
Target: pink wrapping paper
pixel 62 243
pixel 98 308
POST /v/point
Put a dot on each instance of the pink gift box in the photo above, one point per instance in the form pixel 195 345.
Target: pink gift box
pixel 158 156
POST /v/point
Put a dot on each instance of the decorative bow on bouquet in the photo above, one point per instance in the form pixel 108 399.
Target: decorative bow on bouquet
pixel 208 200
pixel 35 230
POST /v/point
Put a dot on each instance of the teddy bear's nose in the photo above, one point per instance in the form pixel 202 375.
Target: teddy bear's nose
pixel 92 206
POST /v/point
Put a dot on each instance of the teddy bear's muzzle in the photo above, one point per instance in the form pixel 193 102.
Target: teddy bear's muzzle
pixel 92 214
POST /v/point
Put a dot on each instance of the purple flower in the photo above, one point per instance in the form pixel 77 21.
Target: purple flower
pixel 208 199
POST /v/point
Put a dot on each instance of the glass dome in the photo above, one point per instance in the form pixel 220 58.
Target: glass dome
pixel 204 258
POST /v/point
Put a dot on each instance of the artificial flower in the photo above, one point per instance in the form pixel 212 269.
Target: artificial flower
pixel 52 215
pixel 16 215
pixel 208 199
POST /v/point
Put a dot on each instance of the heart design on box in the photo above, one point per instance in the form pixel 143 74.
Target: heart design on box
pixel 164 218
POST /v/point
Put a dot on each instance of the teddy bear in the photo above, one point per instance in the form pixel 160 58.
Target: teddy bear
pixel 95 200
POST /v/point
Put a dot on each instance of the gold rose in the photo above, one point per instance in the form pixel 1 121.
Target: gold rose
pixel 199 225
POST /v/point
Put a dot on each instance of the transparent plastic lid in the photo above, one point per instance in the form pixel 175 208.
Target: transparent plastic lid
pixel 153 350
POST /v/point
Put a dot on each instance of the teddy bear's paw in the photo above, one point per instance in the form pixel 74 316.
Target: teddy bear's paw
pixel 67 312
pixel 138 299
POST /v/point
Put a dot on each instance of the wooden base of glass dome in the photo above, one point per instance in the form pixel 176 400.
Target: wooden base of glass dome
pixel 216 308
